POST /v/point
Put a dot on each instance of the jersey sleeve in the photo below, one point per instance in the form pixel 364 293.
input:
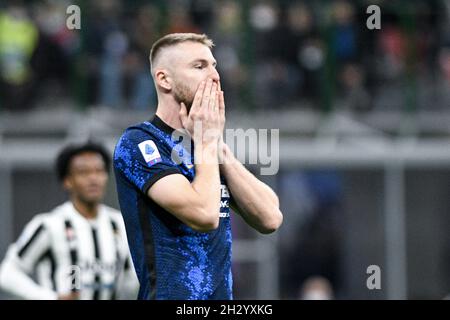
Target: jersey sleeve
pixel 140 159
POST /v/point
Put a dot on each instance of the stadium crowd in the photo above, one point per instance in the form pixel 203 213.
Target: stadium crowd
pixel 272 54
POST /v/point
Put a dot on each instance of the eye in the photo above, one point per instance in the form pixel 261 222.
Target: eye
pixel 198 66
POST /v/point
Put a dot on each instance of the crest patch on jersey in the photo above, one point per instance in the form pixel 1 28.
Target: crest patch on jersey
pixel 150 152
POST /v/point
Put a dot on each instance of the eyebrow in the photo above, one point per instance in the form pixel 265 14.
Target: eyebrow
pixel 204 61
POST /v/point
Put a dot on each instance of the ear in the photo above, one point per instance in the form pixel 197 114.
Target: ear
pixel 163 79
pixel 67 184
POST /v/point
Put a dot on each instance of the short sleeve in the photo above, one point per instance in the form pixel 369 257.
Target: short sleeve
pixel 142 160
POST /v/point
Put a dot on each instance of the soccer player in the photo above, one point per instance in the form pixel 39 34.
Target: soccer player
pixel 79 249
pixel 175 199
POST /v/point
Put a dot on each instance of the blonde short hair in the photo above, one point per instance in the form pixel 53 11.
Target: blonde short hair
pixel 176 38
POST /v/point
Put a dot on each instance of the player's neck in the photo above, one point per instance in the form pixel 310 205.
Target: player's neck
pixel 169 111
pixel 87 210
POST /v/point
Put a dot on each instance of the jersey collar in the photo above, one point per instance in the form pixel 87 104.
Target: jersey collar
pixel 157 122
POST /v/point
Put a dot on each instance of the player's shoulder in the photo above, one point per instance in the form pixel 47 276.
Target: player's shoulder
pixel 48 218
pixel 114 215
pixel 37 225
pixel 111 212
pixel 133 136
pixel 39 219
pixel 56 217
pixel 138 132
pixel 142 139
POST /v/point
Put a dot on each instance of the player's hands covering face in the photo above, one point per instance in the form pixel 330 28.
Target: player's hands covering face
pixel 206 119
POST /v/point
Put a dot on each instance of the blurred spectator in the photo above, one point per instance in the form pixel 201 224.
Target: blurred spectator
pixel 316 288
pixel 354 93
pixel 114 47
pixel 57 49
pixel 229 44
pixel 100 63
pixel 308 51
pixel 310 243
pixel 18 42
pixel 443 85
pixel 144 32
pixel 392 50
pixel 444 63
pixel 111 69
pixel 273 53
pixel 179 19
pixel 274 81
pixel 202 13
pixel 344 34
pixel 50 17
pixel 118 46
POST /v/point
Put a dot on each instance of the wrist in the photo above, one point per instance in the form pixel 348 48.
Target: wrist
pixel 206 153
pixel 225 154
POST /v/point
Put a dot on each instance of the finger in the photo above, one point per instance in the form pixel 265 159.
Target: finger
pixel 196 104
pixel 216 102
pixel 207 94
pixel 217 105
pixel 212 100
pixel 221 104
pixel 220 92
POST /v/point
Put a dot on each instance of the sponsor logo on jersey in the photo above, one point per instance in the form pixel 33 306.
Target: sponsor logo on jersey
pixel 150 152
pixel 224 202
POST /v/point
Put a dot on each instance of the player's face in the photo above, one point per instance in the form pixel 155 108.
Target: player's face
pixel 87 177
pixel 195 64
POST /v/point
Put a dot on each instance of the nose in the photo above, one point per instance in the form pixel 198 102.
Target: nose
pixel 94 177
pixel 214 75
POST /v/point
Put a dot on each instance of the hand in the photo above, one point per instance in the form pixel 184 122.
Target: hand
pixel 223 148
pixel 70 296
pixel 204 122
pixel 221 110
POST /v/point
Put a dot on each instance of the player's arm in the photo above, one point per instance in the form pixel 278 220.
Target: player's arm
pixel 20 261
pixel 254 200
pixel 197 204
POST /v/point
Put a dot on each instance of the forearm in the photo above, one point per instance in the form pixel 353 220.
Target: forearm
pixel 207 179
pixel 257 202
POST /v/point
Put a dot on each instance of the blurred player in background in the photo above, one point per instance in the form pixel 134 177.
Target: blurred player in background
pixel 177 210
pixel 79 249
